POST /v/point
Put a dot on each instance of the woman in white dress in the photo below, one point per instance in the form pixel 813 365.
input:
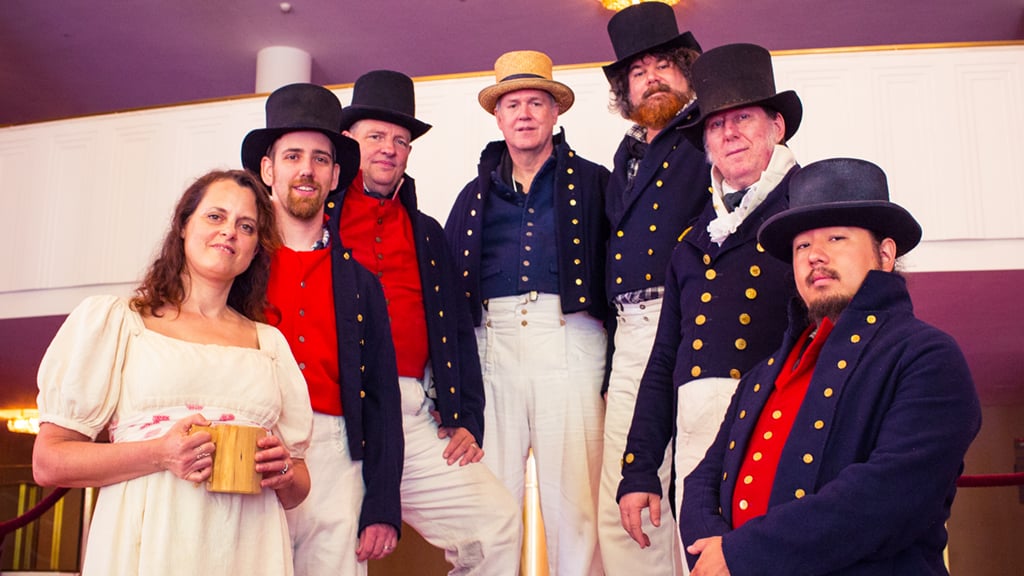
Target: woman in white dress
pixel 188 350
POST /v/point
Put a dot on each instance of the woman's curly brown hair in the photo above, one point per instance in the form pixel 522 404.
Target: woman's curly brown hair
pixel 163 283
pixel 682 57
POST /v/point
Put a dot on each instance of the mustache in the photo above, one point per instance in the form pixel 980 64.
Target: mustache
pixel 659 87
pixel 821 271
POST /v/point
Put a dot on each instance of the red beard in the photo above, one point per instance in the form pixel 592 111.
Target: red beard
pixel 658 112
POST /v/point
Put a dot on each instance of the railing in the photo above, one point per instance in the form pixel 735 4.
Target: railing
pixel 46 533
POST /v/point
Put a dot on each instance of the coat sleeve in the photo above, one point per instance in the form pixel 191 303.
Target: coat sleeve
pixel 654 416
pixel 382 412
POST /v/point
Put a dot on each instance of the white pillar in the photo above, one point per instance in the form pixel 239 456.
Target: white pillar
pixel 278 66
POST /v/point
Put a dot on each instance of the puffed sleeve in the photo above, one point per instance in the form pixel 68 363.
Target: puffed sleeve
pixel 80 375
pixel 295 422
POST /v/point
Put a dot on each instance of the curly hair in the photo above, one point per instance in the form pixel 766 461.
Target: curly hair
pixel 163 283
pixel 682 57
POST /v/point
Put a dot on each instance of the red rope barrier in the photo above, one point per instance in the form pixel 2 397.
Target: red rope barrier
pixel 33 514
pixel 987 480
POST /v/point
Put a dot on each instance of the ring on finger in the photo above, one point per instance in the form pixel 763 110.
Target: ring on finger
pixel 285 469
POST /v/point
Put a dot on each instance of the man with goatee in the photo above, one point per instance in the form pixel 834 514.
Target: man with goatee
pixel 659 184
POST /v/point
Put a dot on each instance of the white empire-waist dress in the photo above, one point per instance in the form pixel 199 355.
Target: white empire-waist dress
pixel 104 369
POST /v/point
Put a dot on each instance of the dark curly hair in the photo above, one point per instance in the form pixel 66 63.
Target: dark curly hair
pixel 163 284
pixel 682 57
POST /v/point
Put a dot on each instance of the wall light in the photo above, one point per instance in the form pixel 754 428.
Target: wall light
pixel 22 421
pixel 616 5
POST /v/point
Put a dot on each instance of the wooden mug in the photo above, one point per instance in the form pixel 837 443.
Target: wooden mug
pixel 234 460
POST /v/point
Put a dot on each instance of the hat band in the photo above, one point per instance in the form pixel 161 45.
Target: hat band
pixel 521 76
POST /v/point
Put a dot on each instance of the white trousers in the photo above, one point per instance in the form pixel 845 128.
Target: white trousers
pixel 700 410
pixel 325 526
pixel 542 376
pixel 464 510
pixel 637 325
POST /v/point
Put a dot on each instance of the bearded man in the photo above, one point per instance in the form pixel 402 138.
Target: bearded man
pixel 659 184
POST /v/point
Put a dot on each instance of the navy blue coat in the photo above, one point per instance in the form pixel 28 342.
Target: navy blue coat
pixel 454 362
pixel 581 229
pixel 868 474
pixel 369 382
pixel 724 311
pixel 671 189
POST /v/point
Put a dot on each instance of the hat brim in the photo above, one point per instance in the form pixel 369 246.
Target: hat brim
pixel 346 151
pixel 684 40
pixel 787 103
pixel 884 218
pixel 563 95
pixel 353 114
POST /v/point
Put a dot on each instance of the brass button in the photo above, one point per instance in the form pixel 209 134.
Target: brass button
pixel 841 364
pixel 620 233
pixel 818 424
pixel 771 361
pixel 757 456
pixel 659 183
pixel 734 374
pixel 757 387
pixel 653 228
pixel 706 259
pixel 799 493
pixel 630 458
pixel 855 338
pixel 744 318
pixel 777 414
pixel 748 479
pixel 741 344
pixel 808 458
pixel 618 256
pixel 695 371
pixel 362 393
pixel 698 344
pixel 705 297
pixel 744 505
pixel 700 320
pixel 743 414
pixel 768 435
pixel 871 319
pixel 750 293
pixel 572 201
pixel 710 274
pixel 759 247
pixel 828 392
pixel 755 271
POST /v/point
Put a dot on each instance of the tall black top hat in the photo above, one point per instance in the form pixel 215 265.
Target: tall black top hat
pixel 839 192
pixel 384 95
pixel 642 28
pixel 737 75
pixel 298 108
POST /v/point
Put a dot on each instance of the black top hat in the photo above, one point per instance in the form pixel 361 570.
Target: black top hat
pixel 738 75
pixel 298 108
pixel 839 192
pixel 384 95
pixel 643 28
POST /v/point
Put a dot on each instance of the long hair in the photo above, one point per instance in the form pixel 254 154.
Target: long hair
pixel 163 283
pixel 682 57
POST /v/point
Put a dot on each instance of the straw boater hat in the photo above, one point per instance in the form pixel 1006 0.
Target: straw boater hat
pixel 387 96
pixel 298 108
pixel 737 75
pixel 642 28
pixel 525 70
pixel 839 192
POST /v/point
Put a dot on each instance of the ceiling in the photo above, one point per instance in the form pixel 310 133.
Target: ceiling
pixel 61 58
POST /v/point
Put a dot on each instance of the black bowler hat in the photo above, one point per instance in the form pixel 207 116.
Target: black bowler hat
pixel 737 75
pixel 839 192
pixel 298 108
pixel 641 28
pixel 387 96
